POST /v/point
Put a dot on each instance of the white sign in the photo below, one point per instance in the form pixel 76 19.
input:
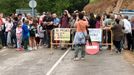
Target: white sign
pixel 32 4
pixel 62 34
pixel 95 35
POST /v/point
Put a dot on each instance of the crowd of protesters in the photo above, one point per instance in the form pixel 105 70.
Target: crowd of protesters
pixel 24 32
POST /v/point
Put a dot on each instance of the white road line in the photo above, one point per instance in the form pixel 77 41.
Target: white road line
pixel 5 54
pixel 3 50
pixel 57 63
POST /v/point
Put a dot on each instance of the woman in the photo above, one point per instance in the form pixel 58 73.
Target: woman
pixel 81 25
pixel 8 25
pixel 64 23
pixel 32 41
pixel 117 35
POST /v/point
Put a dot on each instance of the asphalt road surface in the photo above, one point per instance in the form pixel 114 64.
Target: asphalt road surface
pixel 39 62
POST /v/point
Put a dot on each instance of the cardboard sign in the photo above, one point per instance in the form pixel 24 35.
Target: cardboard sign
pixel 62 34
pixel 95 34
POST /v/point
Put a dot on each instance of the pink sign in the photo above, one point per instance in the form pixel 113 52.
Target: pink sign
pixel 92 49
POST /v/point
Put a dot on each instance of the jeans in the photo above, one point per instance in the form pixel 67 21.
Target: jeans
pixel 129 40
pixel 48 37
pixel 19 41
pixel 14 41
pixel 80 48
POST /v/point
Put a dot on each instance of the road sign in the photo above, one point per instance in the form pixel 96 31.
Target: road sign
pixel 32 4
pixel 92 49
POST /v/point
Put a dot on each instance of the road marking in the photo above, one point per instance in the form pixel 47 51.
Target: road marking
pixel 5 54
pixel 3 50
pixel 57 63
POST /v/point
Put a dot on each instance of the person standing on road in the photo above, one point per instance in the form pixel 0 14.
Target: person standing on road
pixel 81 25
pixel 8 25
pixel 64 23
pixel 48 22
pixel 19 36
pixel 128 32
pixel 25 34
pixel 117 35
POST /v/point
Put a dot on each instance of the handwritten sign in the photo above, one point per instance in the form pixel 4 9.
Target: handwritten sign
pixel 95 34
pixel 62 34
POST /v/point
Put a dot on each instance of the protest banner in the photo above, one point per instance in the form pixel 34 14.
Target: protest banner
pixel 95 34
pixel 62 34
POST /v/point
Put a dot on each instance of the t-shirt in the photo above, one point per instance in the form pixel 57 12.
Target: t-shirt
pixel 81 26
pixel 48 19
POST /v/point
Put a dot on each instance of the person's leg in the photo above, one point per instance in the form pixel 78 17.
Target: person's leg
pixel 6 33
pixel 48 39
pixel 77 49
pixel 119 46
pixel 0 39
pixel 12 41
pixel 34 43
pixel 25 44
pixel 128 40
pixel 17 42
pixel 83 51
pixel 115 44
pixel 44 40
pixel 30 43
pixel 109 39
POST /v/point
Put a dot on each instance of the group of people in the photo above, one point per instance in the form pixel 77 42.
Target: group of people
pixel 25 32
pixel 121 26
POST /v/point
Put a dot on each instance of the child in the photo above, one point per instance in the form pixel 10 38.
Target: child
pixel 19 36
pixel 25 33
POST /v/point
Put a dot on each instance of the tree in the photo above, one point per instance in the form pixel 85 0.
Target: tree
pixel 9 6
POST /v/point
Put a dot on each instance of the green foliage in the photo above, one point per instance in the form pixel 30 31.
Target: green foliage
pixel 9 6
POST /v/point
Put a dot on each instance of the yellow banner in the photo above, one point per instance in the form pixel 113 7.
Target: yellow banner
pixel 62 34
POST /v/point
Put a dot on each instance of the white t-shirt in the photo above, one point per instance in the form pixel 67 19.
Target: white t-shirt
pixel 127 26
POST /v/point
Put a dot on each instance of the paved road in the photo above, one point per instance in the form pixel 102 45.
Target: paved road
pixel 40 61
pixel 104 63
pixel 27 63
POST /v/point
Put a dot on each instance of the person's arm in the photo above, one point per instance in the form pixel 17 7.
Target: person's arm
pixel 25 28
pixel 41 29
pixel 75 24
pixel 68 14
pixel 86 19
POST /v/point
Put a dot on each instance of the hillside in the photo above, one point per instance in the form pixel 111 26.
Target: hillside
pixel 100 6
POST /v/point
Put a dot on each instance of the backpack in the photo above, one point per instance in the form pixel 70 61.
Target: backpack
pixel 32 30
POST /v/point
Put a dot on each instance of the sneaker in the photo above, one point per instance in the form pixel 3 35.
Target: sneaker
pixel 18 49
pixel 21 49
pixel 4 47
pixel 82 58
pixel 35 48
pixel 76 59
pixel 30 48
